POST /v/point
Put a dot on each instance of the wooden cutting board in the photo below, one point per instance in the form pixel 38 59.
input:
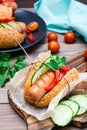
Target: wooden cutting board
pixel 81 121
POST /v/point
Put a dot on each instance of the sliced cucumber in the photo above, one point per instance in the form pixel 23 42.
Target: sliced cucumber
pixel 73 105
pixel 15 25
pixel 1 26
pixel 62 115
pixel 38 73
pixel 42 69
pixel 82 101
pixel 85 95
pixel 6 26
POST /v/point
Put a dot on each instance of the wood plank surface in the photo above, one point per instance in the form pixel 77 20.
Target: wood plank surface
pixel 25 3
pixel 9 119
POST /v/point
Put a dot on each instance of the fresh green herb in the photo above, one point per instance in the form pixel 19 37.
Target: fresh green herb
pixel 56 63
pixel 20 59
pixel 4 77
pixel 7 70
pixel 12 72
pixel 4 56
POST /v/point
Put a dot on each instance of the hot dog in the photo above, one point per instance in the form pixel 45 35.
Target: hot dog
pixel 47 86
pixel 9 3
pixel 11 32
pixel 38 89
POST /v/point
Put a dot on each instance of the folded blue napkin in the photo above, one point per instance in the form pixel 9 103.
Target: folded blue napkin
pixel 63 15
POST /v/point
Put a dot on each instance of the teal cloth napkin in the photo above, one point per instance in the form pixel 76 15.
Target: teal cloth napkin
pixel 63 15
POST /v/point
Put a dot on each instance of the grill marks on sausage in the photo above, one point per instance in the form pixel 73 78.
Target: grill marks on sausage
pixel 37 90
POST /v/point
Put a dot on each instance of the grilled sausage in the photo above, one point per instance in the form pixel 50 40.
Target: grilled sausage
pixel 37 90
pixel 23 26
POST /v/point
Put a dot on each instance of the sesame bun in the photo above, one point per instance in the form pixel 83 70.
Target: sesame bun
pixel 10 38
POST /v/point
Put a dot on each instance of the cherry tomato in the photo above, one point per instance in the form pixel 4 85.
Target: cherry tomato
pixel 85 54
pixel 33 26
pixel 52 36
pixel 54 46
pixel 69 37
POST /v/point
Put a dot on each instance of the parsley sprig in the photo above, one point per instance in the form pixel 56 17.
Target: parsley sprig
pixel 56 63
pixel 8 69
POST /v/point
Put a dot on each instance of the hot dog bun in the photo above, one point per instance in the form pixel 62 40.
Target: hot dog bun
pixel 9 38
pixel 5 12
pixel 11 32
pixel 72 75
pixel 11 4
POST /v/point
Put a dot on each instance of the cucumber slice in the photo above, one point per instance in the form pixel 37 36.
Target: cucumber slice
pixel 6 26
pixel 73 105
pixel 1 26
pixel 62 115
pixel 82 101
pixel 85 95
pixel 42 69
pixel 15 25
pixel 38 73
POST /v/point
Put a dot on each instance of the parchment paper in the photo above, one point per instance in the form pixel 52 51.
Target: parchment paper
pixel 16 88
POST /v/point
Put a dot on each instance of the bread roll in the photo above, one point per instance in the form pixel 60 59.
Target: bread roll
pixel 5 12
pixel 9 37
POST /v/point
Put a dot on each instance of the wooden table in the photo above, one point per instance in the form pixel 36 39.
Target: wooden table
pixel 9 119
pixel 25 3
